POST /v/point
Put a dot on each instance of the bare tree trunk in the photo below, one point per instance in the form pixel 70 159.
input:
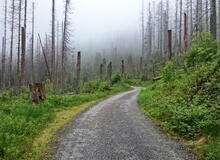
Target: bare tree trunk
pixel 207 16
pixel 57 56
pixel 122 72
pixel 53 42
pixel 12 40
pixel 24 46
pixel 23 57
pixel 19 39
pixel 176 28
pixel 213 18
pixel 185 33
pixel 191 20
pixel 77 89
pixel 32 47
pixel 45 57
pixel 170 44
pixel 3 61
pixel 141 66
pixel 64 44
pixel 197 16
pixel 180 27
pixel 5 46
pixel 110 73
pixel 143 28
pixel 101 73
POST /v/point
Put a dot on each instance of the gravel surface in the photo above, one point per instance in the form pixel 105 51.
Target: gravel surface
pixel 115 129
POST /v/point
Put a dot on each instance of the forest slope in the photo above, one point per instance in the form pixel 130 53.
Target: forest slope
pixel 186 101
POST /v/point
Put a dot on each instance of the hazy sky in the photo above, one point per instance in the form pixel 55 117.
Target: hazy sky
pixel 93 21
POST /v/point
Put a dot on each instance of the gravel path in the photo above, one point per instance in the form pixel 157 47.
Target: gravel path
pixel 115 129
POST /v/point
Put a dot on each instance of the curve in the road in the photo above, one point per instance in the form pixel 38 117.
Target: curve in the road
pixel 115 129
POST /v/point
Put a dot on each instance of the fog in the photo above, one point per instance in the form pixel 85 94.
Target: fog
pixel 96 24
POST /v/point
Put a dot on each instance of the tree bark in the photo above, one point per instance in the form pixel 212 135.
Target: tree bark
pixel 122 72
pixel 213 19
pixel 110 73
pixel 78 68
pixel 12 40
pixel 19 39
pixel 53 42
pixel 170 44
pixel 185 33
pixel 32 47
pixel 23 57
pixel 180 27
pixel 101 73
pixel 45 57
pixel 24 29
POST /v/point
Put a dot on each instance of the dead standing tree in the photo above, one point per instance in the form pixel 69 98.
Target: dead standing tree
pixel 78 68
pixel 185 33
pixel 122 72
pixel 169 44
pixel 101 73
pixel 109 70
pixel 213 18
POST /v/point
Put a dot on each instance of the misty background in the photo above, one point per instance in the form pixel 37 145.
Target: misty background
pixel 96 25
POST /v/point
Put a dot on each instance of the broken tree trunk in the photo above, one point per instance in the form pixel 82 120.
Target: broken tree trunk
pixel 110 73
pixel 101 73
pixel 141 66
pixel 45 57
pixel 157 78
pixel 23 56
pixel 37 92
pixel 77 88
pixel 185 33
pixel 122 72
pixel 170 44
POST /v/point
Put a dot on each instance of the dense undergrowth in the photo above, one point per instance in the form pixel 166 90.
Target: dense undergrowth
pixel 21 121
pixel 186 101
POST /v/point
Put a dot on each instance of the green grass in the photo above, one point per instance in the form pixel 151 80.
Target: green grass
pixel 21 121
pixel 188 106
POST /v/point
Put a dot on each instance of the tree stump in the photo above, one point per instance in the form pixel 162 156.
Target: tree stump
pixel 37 92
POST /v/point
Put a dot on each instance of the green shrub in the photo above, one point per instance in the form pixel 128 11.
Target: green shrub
pixel 204 49
pixel 169 72
pixel 116 78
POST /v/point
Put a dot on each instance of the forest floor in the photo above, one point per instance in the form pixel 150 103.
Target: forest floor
pixel 116 129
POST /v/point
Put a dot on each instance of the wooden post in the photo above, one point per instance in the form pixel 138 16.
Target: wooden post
pixel 77 89
pixel 122 72
pixel 169 44
pixel 101 72
pixel 110 73
pixel 185 33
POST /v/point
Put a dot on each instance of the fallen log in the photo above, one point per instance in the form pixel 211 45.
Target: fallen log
pixel 157 78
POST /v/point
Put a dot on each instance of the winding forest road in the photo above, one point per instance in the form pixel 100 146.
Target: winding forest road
pixel 115 129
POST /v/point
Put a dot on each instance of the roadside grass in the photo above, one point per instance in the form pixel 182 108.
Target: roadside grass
pixel 186 101
pixel 24 126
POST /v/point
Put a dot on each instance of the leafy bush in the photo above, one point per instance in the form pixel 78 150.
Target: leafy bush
pixel 189 105
pixel 204 49
pixel 169 72
pixel 116 78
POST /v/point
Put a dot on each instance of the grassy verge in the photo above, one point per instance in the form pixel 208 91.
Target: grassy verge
pixel 26 130
pixel 186 101
pixel 188 109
